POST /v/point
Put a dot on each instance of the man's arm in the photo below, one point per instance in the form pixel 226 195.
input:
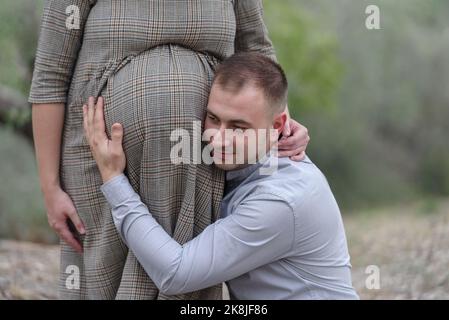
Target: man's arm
pixel 260 231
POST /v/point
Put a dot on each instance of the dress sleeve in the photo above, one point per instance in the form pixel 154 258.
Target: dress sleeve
pixel 252 33
pixel 57 50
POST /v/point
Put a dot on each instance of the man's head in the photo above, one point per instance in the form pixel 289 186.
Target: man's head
pixel 248 96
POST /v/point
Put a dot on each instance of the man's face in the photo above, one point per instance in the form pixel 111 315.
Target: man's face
pixel 240 125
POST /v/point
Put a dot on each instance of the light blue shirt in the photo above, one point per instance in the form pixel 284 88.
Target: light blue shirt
pixel 279 236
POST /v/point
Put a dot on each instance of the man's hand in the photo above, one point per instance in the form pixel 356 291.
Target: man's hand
pixel 294 142
pixel 108 154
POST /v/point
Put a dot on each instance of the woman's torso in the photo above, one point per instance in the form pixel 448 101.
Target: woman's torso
pixel 153 62
pixel 119 29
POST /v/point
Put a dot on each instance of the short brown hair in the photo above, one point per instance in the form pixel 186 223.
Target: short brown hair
pixel 252 68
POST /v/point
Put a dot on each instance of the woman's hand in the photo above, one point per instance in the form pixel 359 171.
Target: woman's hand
pixel 294 142
pixel 61 210
pixel 108 154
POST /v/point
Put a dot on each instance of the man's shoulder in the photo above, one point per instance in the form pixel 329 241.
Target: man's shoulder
pixel 293 181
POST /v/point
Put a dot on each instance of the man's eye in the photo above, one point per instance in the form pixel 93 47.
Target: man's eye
pixel 212 118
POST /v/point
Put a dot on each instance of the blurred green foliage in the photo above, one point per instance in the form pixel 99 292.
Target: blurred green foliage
pixel 378 113
pixel 306 51
pixel 19 31
pixel 19 22
pixel 22 214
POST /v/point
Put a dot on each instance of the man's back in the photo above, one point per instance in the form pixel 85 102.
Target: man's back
pixel 317 265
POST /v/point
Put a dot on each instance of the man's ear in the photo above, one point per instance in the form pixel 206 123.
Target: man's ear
pixel 279 121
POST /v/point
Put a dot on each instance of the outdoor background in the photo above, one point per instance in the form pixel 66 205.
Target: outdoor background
pixel 376 103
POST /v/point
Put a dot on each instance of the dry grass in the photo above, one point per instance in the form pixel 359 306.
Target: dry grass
pixel 410 246
pixel 28 270
pixel 408 243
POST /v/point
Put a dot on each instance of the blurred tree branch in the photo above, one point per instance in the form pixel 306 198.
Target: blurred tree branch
pixel 11 99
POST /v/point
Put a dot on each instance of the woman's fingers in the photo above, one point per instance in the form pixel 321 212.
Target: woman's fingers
pixel 292 152
pixel 300 137
pixel 70 239
pixel 76 220
pixel 288 143
pixel 286 132
pixel 299 157
pixel 63 231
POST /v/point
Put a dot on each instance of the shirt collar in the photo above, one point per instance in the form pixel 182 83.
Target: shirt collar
pixel 236 176
pixel 241 174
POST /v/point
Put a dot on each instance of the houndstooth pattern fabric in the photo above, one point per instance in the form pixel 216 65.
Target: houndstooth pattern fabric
pixel 153 62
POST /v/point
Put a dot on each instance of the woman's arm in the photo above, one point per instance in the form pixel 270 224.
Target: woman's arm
pixel 59 43
pixel 47 131
pixel 57 51
pixel 251 33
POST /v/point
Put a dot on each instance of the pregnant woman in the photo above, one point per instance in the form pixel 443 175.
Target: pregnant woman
pixel 153 61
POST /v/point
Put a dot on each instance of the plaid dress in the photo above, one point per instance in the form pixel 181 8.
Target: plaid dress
pixel 153 62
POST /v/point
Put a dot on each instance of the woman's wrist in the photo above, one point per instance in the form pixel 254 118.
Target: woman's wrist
pixel 49 186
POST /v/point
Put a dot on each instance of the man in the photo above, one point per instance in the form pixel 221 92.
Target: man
pixel 280 235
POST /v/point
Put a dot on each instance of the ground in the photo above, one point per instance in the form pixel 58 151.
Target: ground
pixel 409 245
pixel 28 270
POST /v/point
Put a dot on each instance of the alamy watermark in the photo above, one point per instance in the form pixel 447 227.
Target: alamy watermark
pixel 72 282
pixel 372 21
pixel 372 281
pixel 73 17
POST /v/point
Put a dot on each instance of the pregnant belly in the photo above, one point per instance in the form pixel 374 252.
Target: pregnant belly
pixel 160 90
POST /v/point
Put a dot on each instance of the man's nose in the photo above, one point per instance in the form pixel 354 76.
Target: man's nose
pixel 221 139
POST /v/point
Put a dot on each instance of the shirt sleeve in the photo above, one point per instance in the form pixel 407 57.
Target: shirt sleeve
pixel 259 231
pixel 57 50
pixel 252 33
